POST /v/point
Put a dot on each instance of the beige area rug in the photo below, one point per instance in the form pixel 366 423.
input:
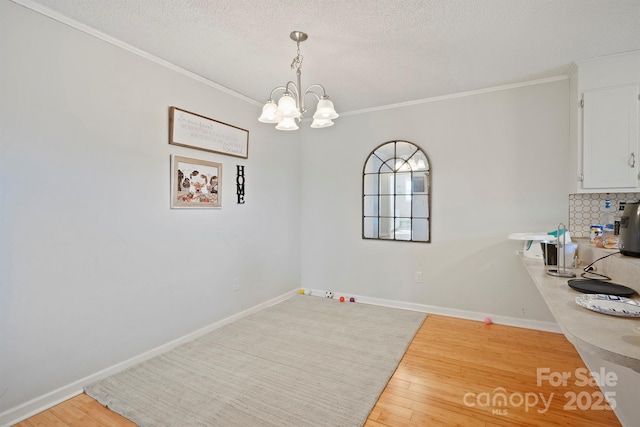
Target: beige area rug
pixel 307 361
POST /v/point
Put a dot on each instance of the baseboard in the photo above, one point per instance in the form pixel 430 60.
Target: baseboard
pixel 46 401
pixel 451 312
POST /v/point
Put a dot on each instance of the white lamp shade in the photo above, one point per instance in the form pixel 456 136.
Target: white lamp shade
pixel 321 123
pixel 287 123
pixel 269 113
pixel 325 110
pixel 287 107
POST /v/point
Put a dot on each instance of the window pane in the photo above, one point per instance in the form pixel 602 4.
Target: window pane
pixel 372 165
pixel 370 206
pixel 371 227
pixel 420 230
pixel 386 228
pixel 403 183
pixel 420 206
pixel 386 183
pixel 402 229
pixel 419 162
pixel 404 150
pixel 403 206
pixel 386 152
pixel 371 184
pixel 387 206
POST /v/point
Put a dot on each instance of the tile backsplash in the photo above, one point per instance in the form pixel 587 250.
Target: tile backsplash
pixel 585 209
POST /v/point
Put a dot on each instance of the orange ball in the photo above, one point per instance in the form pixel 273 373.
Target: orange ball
pixel 341 299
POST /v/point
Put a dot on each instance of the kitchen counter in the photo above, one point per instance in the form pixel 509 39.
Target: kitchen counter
pixel 609 337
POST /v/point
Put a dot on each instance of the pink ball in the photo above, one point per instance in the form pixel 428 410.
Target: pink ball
pixel 487 320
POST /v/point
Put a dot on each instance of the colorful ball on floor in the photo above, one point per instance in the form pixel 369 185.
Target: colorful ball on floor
pixel 487 321
pixel 341 299
pixel 352 299
pixel 301 291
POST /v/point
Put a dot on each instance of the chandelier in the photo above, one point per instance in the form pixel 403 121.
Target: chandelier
pixel 290 106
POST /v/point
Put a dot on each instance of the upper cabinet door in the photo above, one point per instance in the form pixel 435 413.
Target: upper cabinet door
pixel 610 138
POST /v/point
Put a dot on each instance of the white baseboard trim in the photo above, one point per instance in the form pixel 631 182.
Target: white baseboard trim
pixel 451 312
pixel 34 406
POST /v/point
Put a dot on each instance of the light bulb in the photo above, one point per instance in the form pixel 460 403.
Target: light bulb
pixel 325 109
pixel 287 123
pixel 321 123
pixel 287 107
pixel 269 113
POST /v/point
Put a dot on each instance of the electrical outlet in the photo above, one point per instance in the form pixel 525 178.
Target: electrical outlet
pixel 418 277
pixel 236 284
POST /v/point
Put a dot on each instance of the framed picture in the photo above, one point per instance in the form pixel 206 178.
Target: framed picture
pixel 195 183
pixel 419 184
pixel 192 130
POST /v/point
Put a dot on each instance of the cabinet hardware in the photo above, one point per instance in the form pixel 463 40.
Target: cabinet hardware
pixel 581 103
pixel 581 177
pixel 632 160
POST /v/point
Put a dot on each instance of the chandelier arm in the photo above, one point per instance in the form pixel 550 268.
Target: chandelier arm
pixel 324 92
pixel 289 88
pixel 310 92
pixel 274 91
pixel 292 87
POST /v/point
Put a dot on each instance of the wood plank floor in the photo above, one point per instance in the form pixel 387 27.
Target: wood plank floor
pixel 452 374
pixel 454 368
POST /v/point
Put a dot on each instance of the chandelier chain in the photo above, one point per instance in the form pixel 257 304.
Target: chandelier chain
pixel 297 61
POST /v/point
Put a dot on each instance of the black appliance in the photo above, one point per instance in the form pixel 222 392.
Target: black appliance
pixel 629 239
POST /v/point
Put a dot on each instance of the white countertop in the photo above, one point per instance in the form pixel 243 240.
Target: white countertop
pixel 609 337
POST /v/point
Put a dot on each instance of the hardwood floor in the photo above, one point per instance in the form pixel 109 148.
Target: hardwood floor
pixel 80 411
pixel 453 373
pixel 455 370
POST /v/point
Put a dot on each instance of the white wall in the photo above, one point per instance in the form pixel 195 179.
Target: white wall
pixel 497 160
pixel 94 266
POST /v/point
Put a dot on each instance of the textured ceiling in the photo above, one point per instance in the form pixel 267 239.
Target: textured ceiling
pixel 367 53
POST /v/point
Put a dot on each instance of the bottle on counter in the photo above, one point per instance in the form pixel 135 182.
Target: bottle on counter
pixel 607 220
pixel 596 233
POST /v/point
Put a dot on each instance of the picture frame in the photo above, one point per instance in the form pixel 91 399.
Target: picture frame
pixel 195 183
pixel 191 130
pixel 419 183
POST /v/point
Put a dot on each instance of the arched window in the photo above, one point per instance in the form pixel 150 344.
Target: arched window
pixel 396 193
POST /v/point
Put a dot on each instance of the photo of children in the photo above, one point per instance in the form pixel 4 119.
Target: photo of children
pixel 196 183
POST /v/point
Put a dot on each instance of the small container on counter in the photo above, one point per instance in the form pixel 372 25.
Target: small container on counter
pixel 596 233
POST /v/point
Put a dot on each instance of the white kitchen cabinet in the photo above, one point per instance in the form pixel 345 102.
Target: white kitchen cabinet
pixel 605 116
pixel 610 138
